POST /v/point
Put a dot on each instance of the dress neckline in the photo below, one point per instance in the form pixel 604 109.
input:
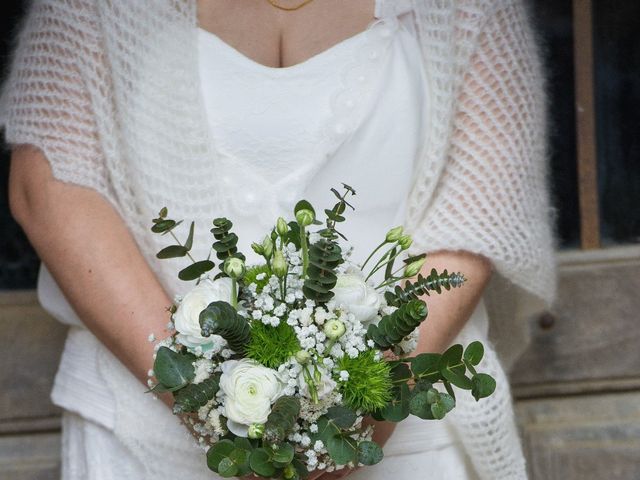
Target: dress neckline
pixel 317 59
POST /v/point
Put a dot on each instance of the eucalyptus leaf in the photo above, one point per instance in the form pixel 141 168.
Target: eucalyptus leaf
pixel 227 468
pixel 163 226
pixel 369 453
pixel 172 251
pixel 189 243
pixel 326 430
pixel 420 406
pixel 342 449
pixel 195 270
pixel 173 369
pixel 260 462
pixel 398 409
pixel 427 366
pixel 474 353
pixel 283 453
pixel 342 416
pixel 218 452
pixel 483 385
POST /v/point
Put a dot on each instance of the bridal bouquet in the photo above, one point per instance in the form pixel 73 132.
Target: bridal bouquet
pixel 276 365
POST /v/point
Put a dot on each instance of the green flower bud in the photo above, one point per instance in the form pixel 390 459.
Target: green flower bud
pixel 334 329
pixel 302 357
pixel 281 227
pixel 413 268
pixel 256 247
pixel 394 234
pixel 267 247
pixel 405 242
pixel 305 217
pixel 256 430
pixel 234 267
pixel 279 264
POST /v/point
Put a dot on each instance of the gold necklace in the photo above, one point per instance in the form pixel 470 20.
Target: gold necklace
pixel 289 9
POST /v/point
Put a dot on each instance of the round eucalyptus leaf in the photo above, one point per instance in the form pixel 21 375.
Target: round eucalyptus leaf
pixel 342 449
pixel 474 353
pixel 260 462
pixel 369 453
pixel 483 385
pixel 218 452
pixel 227 468
pixel 342 416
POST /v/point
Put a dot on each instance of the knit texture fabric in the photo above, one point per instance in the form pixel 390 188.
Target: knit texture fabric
pixel 109 91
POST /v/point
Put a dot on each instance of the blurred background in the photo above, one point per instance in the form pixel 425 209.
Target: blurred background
pixel 577 388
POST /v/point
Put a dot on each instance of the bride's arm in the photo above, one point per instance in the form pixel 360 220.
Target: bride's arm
pixel 92 256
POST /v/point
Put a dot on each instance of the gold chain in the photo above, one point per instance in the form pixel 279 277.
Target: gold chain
pixel 289 9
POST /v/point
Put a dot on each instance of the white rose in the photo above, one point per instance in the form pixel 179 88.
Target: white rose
pixel 187 316
pixel 250 389
pixel 356 296
pixel 325 386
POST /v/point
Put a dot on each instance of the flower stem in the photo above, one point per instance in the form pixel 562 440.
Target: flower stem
pixel 234 293
pixel 380 265
pixel 372 254
pixel 180 243
pixel 305 251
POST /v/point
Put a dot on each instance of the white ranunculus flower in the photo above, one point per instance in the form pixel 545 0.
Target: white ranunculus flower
pixel 187 316
pixel 325 386
pixel 354 294
pixel 250 390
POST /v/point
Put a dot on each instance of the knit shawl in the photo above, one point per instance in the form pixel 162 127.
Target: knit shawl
pixel 109 91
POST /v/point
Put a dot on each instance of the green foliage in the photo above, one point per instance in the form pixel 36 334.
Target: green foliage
pixel 251 274
pixel 369 453
pixel 280 421
pixel 342 416
pixel 195 395
pixel 394 327
pixel 325 255
pixel 172 369
pixel 369 386
pixel 230 458
pixel 483 385
pixel 434 282
pixel 220 318
pixel 226 242
pixel 342 449
pixel 272 346
pixel 195 270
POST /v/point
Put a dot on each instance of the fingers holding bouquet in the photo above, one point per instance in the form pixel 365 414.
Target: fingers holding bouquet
pixel 297 367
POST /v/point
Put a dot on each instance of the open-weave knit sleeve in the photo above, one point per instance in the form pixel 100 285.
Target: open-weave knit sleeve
pixel 45 101
pixel 492 196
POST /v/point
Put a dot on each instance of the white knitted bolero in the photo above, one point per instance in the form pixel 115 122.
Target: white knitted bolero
pixel 109 91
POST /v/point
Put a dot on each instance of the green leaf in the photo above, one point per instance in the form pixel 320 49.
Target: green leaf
pixel 342 449
pixel 427 366
pixel 163 226
pixel 483 385
pixel 398 409
pixel 303 205
pixel 227 468
pixel 438 411
pixel 400 372
pixel 260 462
pixel 173 369
pixel 281 420
pixel 218 452
pixel 369 453
pixel 447 401
pixel 189 243
pixel 474 353
pixel 195 395
pixel 420 406
pixel 326 430
pixel 193 271
pixel 453 369
pixel 220 318
pixel 172 251
pixel 342 416
pixel 283 453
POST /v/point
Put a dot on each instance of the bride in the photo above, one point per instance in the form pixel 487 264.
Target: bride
pixel 433 111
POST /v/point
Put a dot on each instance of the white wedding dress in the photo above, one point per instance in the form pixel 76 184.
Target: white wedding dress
pixel 280 136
